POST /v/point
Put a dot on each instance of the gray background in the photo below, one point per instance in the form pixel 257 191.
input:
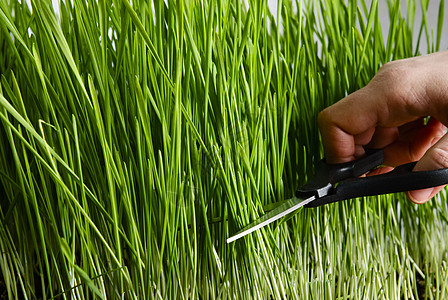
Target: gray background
pixel 433 12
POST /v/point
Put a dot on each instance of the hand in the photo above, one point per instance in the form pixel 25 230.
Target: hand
pixel 389 113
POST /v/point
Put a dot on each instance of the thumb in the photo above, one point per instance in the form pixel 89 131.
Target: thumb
pixel 435 158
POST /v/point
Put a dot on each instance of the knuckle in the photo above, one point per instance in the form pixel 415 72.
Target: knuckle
pixel 396 81
pixel 394 77
pixel 323 118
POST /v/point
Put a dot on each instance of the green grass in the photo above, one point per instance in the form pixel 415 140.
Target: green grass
pixel 137 137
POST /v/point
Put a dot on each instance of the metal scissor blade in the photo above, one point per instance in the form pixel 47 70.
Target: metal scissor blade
pixel 284 209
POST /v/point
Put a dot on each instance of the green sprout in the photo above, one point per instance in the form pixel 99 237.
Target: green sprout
pixel 137 136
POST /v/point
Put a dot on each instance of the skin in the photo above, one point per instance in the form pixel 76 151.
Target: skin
pixel 389 113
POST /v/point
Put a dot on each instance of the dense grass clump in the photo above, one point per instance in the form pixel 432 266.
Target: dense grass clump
pixel 137 136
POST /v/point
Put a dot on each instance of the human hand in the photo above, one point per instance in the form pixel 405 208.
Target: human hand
pixel 389 113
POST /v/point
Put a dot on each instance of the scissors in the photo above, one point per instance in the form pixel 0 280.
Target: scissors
pixel 338 182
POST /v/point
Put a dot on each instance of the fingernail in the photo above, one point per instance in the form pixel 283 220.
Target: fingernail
pixel 420 196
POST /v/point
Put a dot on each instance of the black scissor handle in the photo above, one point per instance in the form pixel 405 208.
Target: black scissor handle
pixel 401 179
pixel 329 174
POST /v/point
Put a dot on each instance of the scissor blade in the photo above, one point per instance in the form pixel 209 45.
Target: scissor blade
pixel 282 210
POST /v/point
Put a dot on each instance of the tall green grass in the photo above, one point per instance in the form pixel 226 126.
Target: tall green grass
pixel 137 136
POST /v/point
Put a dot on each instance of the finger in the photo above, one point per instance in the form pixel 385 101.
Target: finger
pixel 435 158
pixel 380 170
pixel 383 137
pixel 414 146
pixel 339 124
pixel 407 130
pixel 364 138
pixel 355 115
